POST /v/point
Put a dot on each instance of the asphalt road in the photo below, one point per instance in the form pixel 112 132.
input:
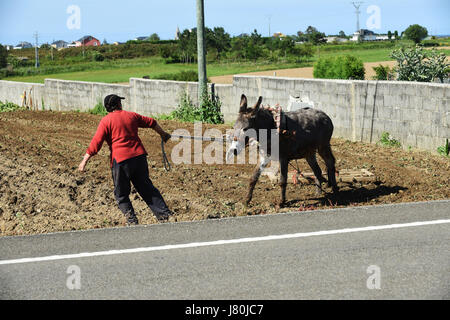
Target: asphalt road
pixel 353 253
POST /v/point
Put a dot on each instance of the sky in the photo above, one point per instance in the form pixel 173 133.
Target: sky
pixel 124 20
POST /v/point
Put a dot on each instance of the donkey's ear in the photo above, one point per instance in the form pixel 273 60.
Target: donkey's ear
pixel 257 105
pixel 243 105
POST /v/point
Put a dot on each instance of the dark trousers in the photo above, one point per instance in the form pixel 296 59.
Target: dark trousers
pixel 135 170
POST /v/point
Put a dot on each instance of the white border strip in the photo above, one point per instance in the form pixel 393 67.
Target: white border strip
pixel 223 242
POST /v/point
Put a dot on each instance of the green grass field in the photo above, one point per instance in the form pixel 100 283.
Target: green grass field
pixel 154 68
pixel 120 71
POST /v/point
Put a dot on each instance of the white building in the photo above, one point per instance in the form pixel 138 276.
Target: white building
pixel 335 39
pixel 368 35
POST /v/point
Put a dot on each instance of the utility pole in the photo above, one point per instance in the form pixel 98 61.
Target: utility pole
pixel 201 57
pixel 269 16
pixel 36 53
pixel 357 5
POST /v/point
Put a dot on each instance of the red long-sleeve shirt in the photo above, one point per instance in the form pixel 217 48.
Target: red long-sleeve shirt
pixel 120 130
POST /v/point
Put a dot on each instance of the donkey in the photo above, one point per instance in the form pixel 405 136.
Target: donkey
pixel 311 131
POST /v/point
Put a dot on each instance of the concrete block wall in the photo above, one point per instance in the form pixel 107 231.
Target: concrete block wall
pixel 153 97
pixel 63 95
pixel 13 92
pixel 416 114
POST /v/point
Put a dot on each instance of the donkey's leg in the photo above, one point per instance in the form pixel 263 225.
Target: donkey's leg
pixel 283 179
pixel 263 162
pixel 327 155
pixel 312 161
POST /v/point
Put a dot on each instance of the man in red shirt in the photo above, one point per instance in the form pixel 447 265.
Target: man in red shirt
pixel 128 158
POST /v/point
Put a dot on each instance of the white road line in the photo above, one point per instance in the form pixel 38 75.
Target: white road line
pixel 223 242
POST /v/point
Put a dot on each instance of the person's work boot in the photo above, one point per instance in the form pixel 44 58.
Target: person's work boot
pixel 132 220
pixel 164 217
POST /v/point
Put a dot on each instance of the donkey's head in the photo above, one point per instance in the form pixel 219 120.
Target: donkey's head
pixel 246 120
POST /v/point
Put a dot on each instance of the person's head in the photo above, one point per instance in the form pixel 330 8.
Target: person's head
pixel 113 102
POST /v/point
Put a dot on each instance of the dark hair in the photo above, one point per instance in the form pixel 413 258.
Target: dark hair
pixel 112 102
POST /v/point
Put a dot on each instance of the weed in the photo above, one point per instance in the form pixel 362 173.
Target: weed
pixel 388 140
pixel 9 106
pixel 99 109
pixel 208 111
pixel 444 150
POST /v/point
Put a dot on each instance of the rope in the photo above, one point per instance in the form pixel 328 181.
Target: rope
pixel 199 138
pixel 166 162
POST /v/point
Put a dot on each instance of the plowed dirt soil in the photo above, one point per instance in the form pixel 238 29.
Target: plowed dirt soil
pixel 42 191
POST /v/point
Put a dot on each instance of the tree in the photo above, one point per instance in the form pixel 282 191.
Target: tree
pixel 396 35
pixel 285 45
pixel 105 42
pixel 301 36
pixel 255 37
pixel 188 45
pixel 3 57
pixel 342 34
pixel 389 35
pixel 416 33
pixel 154 37
pixel 221 40
pixel 314 36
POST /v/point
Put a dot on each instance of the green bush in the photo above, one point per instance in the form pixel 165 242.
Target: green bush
pixel 208 111
pixel 445 149
pixel 387 140
pixel 97 56
pixel 99 109
pixel 418 64
pixel 341 67
pixel 3 57
pixel 383 73
pixel 189 75
pixel 9 106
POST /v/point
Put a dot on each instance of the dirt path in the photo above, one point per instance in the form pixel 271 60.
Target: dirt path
pixel 42 191
pixel 306 72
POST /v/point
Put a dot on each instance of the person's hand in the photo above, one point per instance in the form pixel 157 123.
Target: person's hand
pixel 81 166
pixel 83 162
pixel 165 136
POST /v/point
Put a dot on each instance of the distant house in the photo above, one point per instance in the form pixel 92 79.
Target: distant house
pixel 368 35
pixel 141 38
pixel 279 35
pixel 60 44
pixel 381 37
pixel 23 45
pixel 117 43
pixel 86 41
pixel 177 34
pixel 335 39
